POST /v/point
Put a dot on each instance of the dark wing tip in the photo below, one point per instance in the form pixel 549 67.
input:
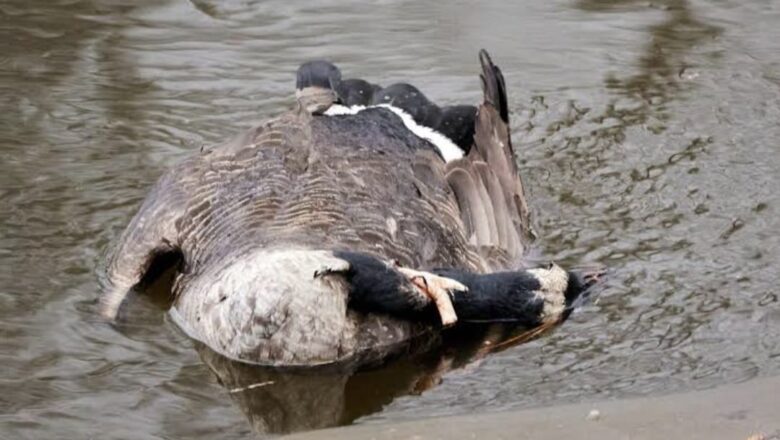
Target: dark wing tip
pixel 493 85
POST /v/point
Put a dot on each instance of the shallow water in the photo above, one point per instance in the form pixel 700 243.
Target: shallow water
pixel 647 134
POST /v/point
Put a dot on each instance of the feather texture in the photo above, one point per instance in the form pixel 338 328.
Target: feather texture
pixel 486 183
pixel 288 194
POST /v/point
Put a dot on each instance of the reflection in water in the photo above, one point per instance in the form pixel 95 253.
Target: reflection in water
pixel 668 175
pixel 662 65
pixel 282 401
pixel 46 53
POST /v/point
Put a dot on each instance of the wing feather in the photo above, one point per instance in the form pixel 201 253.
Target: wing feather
pixel 486 182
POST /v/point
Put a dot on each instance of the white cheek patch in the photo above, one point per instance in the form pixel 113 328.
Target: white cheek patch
pixel 448 150
pixel 553 284
pixel 339 110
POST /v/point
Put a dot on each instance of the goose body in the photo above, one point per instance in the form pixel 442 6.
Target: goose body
pixel 286 233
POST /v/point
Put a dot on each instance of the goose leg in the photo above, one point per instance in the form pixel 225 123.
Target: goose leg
pixel 380 286
pixel 438 289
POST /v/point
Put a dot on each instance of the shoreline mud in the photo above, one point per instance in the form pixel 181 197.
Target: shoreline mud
pixel 747 410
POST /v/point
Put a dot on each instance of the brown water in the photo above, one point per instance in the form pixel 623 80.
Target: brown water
pixel 649 138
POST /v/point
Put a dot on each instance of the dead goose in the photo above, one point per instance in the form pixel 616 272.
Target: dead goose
pixel 303 240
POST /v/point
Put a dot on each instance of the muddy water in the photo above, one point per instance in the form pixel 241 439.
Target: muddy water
pixel 648 134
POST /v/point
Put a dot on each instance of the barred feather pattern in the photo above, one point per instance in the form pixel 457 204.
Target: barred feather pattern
pixel 317 184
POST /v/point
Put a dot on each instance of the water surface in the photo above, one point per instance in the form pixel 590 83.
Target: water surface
pixel 648 139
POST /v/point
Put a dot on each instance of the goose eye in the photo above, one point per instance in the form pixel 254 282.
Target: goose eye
pixel 549 265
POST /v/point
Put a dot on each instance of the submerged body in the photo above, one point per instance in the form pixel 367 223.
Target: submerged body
pixel 286 234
